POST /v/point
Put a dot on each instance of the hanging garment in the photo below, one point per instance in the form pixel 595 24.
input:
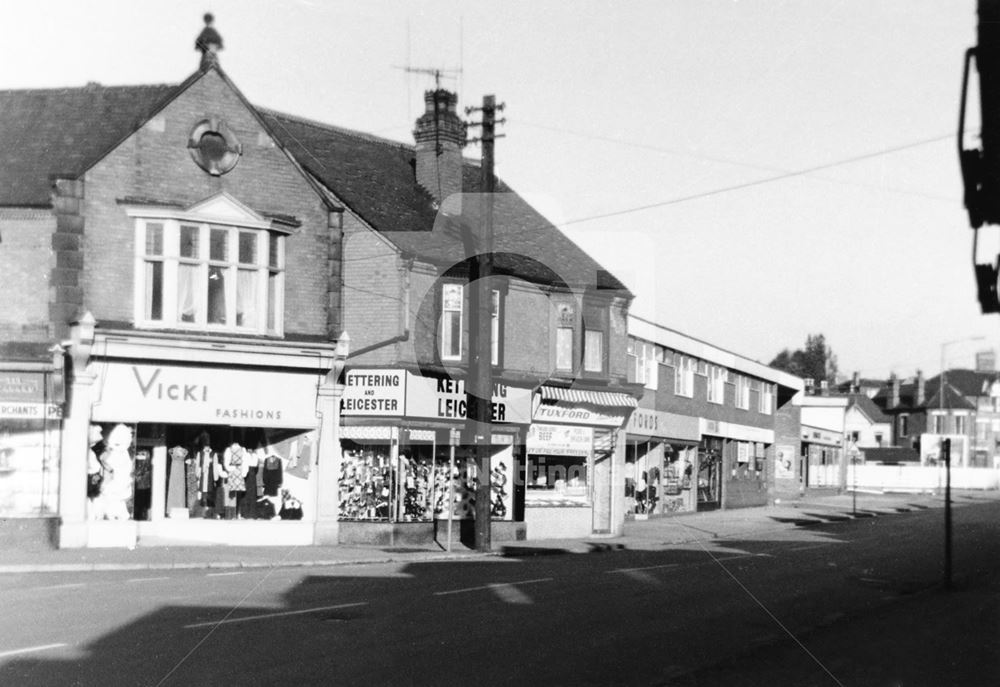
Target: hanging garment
pixel 233 461
pixel 273 475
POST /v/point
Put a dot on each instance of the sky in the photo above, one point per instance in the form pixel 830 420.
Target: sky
pixel 755 171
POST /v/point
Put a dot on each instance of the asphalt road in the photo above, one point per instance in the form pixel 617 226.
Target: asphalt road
pixel 850 602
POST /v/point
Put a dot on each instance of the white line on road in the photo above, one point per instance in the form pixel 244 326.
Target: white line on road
pixel 495 585
pixel 224 574
pixel 265 616
pixel 30 649
pixel 146 579
pixel 810 546
pixel 648 567
pixel 69 585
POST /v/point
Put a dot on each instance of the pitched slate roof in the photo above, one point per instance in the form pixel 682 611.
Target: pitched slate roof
pixel 375 178
pixel 868 407
pixel 62 131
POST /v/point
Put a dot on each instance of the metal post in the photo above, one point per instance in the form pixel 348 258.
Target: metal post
pixel 452 441
pixel 946 452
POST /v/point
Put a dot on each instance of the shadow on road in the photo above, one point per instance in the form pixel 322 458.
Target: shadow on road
pixel 530 616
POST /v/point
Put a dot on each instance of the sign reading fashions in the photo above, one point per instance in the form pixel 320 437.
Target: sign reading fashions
pixel 168 393
pixel 559 440
pixel 373 392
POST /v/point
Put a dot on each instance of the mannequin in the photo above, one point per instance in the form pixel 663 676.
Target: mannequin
pixel 95 473
pixel 117 487
pixel 236 464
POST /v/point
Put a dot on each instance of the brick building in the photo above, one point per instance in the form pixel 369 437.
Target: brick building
pixel 707 433
pixel 186 265
pixel 179 268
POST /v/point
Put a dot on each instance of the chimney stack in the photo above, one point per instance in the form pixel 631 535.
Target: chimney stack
pixel 921 390
pixel 856 382
pixel 440 137
pixel 209 43
pixel 893 390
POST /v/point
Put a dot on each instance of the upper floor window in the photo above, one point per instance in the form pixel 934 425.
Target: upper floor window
pixel 960 424
pixel 495 329
pixel 593 350
pixel 903 425
pixel 565 328
pixel 716 384
pixel 684 375
pixel 643 358
pixel 742 392
pixel 451 321
pixel 192 274
pixel 939 424
pixel 765 401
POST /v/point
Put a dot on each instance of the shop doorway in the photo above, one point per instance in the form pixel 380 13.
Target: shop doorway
pixel 709 480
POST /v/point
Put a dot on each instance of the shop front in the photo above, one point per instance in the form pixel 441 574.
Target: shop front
pixel 732 466
pixel 575 453
pixel 659 463
pixel 820 461
pixel 193 446
pixel 406 476
pixel 30 419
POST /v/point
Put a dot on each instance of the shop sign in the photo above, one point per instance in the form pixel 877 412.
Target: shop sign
pixel 731 430
pixel 30 411
pixel 559 440
pixel 22 387
pixel 373 392
pixel 657 423
pixel 168 393
pixel 577 415
pixel 444 398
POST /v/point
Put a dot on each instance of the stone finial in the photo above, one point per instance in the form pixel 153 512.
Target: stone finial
pixel 209 43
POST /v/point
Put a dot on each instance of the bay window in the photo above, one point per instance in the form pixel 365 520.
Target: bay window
pixel 201 275
pixel 593 350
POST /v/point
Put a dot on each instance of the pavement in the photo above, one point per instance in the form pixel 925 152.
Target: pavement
pixel 790 510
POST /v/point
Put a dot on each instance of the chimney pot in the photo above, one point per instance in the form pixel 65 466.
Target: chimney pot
pixel 440 135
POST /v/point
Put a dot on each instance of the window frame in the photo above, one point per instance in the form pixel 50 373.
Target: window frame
pixel 268 277
pixel 444 324
pixel 765 400
pixel 742 399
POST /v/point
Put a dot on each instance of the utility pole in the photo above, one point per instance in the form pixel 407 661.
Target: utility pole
pixel 479 387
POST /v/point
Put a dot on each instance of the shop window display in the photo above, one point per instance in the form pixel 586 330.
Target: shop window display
pixel 417 487
pixel 216 472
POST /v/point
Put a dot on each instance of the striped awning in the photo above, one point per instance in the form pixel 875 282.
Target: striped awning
pixel 607 399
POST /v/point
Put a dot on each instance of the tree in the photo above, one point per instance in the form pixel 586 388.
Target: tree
pixel 816 361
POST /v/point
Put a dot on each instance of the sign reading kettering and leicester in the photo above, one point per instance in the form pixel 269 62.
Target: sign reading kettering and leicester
pixel 398 393
pixel 162 393
pixel 23 397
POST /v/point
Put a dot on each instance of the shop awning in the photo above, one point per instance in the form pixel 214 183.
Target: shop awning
pixel 609 399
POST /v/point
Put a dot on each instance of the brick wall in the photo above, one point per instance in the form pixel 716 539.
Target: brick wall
pixel 26 262
pixel 155 163
pixel 373 292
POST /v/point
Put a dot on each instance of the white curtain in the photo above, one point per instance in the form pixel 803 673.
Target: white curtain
pixel 246 298
pixel 186 307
